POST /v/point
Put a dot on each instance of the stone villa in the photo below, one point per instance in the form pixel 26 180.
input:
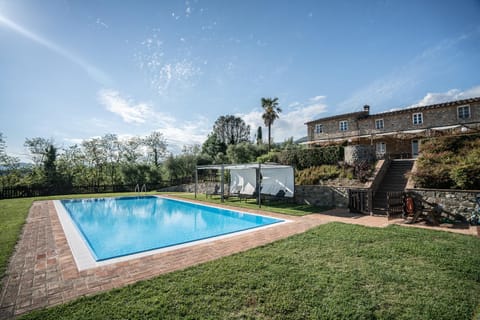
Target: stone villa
pixel 396 134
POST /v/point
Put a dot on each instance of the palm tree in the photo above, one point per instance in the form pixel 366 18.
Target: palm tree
pixel 271 111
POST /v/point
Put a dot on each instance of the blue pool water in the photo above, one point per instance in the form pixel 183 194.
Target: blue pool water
pixel 114 227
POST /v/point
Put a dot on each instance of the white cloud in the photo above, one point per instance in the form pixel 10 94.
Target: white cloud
pixel 101 23
pixel 167 72
pixel 129 111
pixel 188 9
pixel 176 132
pixel 317 98
pixel 185 133
pixel 291 122
pixel 451 95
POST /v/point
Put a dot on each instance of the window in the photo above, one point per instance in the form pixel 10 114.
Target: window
pixel 463 112
pixel 379 124
pixel 343 125
pixel 318 128
pixel 417 118
pixel 381 148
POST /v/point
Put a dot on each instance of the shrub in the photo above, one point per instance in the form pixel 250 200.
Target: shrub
pixel 433 177
pixel 466 176
pixel 272 156
pixel 306 158
pixel 314 175
pixel 450 162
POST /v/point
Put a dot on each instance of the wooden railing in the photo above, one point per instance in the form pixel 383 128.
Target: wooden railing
pixel 360 200
pixel 395 203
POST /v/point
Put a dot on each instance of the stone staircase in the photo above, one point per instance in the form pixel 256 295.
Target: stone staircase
pixel 393 181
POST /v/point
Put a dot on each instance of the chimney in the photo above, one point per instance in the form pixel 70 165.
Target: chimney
pixel 366 108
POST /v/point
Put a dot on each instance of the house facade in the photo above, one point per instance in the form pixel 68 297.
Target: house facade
pixel 398 133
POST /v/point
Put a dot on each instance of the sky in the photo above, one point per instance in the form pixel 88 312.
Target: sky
pixel 74 70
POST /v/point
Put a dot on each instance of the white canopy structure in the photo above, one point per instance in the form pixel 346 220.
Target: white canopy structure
pixel 245 179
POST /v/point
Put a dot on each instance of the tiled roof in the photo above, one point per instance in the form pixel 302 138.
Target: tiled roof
pixel 357 114
pixel 404 110
pixel 432 106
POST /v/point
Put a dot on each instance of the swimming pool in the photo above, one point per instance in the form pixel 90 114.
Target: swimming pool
pixel 116 227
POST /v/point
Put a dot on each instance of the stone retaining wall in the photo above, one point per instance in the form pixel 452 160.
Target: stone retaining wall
pixel 322 196
pixel 314 195
pixel 202 187
pixel 455 202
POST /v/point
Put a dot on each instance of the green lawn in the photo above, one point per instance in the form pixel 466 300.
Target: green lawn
pixel 12 217
pixel 335 271
pixel 278 206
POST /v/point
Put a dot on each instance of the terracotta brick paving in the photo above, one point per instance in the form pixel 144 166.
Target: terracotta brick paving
pixel 42 271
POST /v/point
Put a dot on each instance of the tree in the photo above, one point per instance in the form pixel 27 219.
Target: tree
pixel 231 130
pixel 38 148
pixel 71 166
pixel 6 161
pixel 270 114
pixel 8 165
pixel 259 135
pixel 157 146
pixel 50 167
pixel 111 147
pixel 95 157
pixel 130 150
pixel 244 152
pixel 212 147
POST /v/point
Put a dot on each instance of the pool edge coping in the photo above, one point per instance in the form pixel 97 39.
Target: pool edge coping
pixel 83 256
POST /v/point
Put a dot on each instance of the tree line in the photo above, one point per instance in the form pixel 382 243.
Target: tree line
pixel 109 160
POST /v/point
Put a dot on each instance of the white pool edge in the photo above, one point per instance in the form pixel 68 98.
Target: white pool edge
pixel 85 260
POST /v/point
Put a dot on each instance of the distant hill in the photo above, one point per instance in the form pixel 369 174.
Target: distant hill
pixel 301 140
pixel 21 165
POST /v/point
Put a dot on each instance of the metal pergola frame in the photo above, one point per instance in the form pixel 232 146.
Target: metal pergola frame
pixel 223 167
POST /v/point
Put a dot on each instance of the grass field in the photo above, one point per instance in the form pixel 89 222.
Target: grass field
pixel 335 271
pixel 281 206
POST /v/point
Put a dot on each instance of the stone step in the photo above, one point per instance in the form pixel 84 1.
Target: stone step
pixel 395 180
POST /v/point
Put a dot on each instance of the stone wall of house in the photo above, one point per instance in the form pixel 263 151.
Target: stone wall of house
pixel 322 196
pixel 358 153
pixel 454 202
pixel 400 120
pixel 331 126
pixel 432 117
pixel 395 147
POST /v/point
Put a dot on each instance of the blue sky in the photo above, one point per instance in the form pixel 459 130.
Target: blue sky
pixel 73 70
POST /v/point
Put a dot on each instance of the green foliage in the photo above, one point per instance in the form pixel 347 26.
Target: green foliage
pixel 231 130
pixel 314 175
pixel 213 146
pixel 259 135
pixel 450 162
pixel 272 156
pixel 306 158
pixel 157 146
pixel 49 166
pixel 244 152
pixel 271 112
pixel 334 271
pixel 466 176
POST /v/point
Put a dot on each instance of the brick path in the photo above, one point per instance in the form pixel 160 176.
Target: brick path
pixel 42 271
